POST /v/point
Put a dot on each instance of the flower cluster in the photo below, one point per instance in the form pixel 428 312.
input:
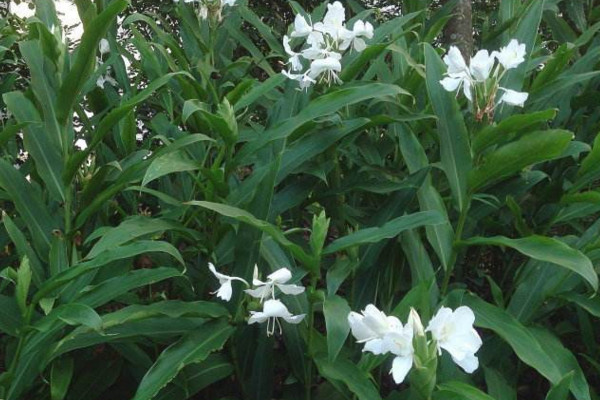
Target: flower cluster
pixel 450 330
pixel 273 309
pixel 210 7
pixel 325 42
pixel 480 79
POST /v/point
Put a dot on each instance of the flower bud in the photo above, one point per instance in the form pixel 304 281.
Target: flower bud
pixel 415 321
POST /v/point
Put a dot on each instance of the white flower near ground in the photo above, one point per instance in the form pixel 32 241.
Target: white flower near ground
pixel 272 311
pixel 513 98
pixel 279 279
pixel 371 327
pixel 384 334
pixel 225 290
pixel 511 56
pixel 400 343
pixel 453 331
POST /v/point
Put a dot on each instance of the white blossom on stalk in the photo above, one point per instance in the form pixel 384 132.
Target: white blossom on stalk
pixel 326 41
pixel 453 331
pixel 272 311
pixel 266 290
pixel 371 327
pixel 458 73
pixel 294 59
pixel 225 290
pixel 400 343
pixel 301 27
pixel 512 55
pixel 481 65
pixel 513 98
pixel 328 68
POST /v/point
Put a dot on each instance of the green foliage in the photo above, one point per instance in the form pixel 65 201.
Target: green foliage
pixel 385 189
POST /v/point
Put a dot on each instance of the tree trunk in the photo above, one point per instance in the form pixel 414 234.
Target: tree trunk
pixel 459 29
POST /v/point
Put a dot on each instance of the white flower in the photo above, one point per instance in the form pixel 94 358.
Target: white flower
pixel 513 98
pixel 328 67
pixel 371 327
pixel 301 27
pixel 354 37
pixel 455 81
pixel 455 62
pixel 453 331
pixel 266 290
pixel 400 343
pixel 512 55
pixel 272 310
pixel 481 65
pixel 333 22
pixel 414 320
pixel 304 81
pixel 224 292
pixel 104 46
pixel 294 59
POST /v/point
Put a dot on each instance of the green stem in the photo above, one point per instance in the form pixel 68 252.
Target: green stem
pixel 22 336
pixel 457 238
pixel 311 322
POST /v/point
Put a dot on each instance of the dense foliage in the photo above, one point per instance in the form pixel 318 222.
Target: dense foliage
pixel 169 140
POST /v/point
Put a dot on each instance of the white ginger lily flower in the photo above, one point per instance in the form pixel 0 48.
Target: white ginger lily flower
pixel 301 27
pixel 225 291
pixel 458 73
pixel 513 98
pixel 272 310
pixel 400 343
pixel 481 65
pixel 326 67
pixel 303 80
pixel 453 331
pixel 294 59
pixel 355 36
pixel 371 327
pixel 512 55
pixel 333 22
pixel 266 290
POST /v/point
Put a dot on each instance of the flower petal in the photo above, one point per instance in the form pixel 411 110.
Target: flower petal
pixel 291 289
pixel 400 368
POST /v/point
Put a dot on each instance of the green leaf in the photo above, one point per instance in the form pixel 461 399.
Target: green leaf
pixel 461 389
pixel 354 378
pixel 168 164
pixel 336 310
pixel 246 217
pixel 85 59
pixel 560 391
pixel 319 107
pixel 79 314
pixel 23 283
pixel 24 249
pixel 44 149
pixel 506 129
pixel 110 289
pixel 10 316
pixel 545 249
pixel 454 139
pixel 389 230
pixel 516 335
pixel 513 157
pixel 192 348
pixel 113 117
pixel 60 378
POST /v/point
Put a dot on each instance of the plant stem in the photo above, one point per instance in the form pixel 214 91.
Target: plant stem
pixel 457 238
pixel 311 322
